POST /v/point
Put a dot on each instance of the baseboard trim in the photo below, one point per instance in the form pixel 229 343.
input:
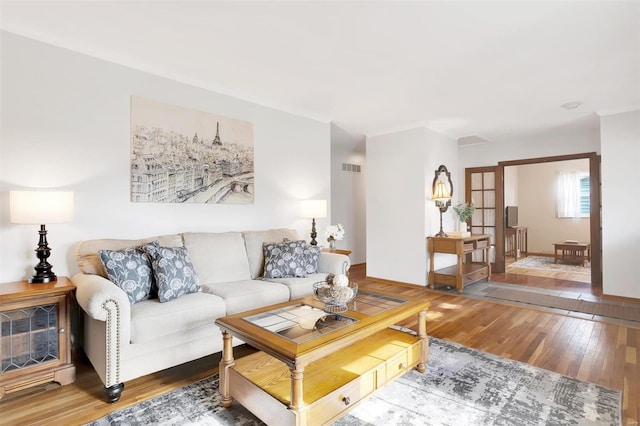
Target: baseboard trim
pixel 530 253
pixel 620 298
pixel 386 281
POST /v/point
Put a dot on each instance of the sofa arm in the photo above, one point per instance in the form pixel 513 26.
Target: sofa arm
pixel 105 302
pixel 94 291
pixel 333 263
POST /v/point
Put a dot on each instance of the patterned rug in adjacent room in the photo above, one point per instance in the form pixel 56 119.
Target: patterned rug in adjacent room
pixel 462 386
pixel 547 263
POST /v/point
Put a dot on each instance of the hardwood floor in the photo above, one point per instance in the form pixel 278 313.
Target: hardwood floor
pixel 606 354
pixel 548 282
pixel 579 283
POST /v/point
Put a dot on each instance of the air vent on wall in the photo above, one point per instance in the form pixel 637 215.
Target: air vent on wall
pixel 351 168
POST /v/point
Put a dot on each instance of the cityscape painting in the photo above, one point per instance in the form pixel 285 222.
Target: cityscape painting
pixel 180 155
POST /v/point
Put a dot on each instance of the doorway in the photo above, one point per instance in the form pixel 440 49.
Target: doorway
pixel 506 252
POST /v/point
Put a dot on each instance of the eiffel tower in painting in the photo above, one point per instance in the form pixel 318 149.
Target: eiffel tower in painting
pixel 216 140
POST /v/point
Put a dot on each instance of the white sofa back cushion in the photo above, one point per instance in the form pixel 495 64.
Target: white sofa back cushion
pixel 218 257
pixel 87 251
pixel 254 240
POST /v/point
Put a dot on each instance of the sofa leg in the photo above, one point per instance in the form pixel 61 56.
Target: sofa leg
pixel 113 392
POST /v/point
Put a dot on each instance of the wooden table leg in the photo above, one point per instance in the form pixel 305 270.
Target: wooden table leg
pixel 432 277
pixel 424 342
pixel 296 388
pixel 459 283
pixel 226 362
pixel 297 395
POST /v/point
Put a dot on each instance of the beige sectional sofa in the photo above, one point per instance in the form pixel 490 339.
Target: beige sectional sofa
pixel 124 341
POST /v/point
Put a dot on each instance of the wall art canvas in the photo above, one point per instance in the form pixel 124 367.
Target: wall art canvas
pixel 180 155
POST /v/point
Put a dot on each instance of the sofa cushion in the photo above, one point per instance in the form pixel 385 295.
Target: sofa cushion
pixel 218 257
pixel 290 259
pixel 129 269
pixel 240 296
pixel 300 287
pixel 253 241
pixel 89 260
pixel 151 319
pixel 173 271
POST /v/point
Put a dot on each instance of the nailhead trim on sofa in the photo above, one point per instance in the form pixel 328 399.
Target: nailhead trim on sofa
pixel 113 314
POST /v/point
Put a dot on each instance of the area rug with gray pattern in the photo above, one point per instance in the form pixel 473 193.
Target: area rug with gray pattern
pixel 462 386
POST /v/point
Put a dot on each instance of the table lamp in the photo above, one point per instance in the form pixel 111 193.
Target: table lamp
pixel 442 190
pixel 39 207
pixel 312 209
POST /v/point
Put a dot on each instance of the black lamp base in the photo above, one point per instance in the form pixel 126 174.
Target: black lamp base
pixel 314 234
pixel 43 274
pixel 42 279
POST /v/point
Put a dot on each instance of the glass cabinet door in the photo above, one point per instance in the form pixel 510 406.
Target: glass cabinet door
pixel 30 336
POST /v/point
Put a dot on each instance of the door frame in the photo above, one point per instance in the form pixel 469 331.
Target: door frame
pixel 595 217
pixel 498 264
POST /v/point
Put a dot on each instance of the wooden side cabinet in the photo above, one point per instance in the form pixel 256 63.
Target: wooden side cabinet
pixel 35 334
pixel 466 271
pixel 516 242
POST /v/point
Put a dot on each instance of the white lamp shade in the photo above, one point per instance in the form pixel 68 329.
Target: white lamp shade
pixel 312 209
pixel 41 207
pixel 441 193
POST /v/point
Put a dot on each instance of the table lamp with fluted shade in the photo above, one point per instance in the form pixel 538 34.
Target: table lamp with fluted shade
pixel 40 207
pixel 312 209
pixel 442 190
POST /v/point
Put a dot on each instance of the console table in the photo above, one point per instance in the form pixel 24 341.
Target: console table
pixel 571 252
pixel 516 243
pixel 466 271
pixel 36 334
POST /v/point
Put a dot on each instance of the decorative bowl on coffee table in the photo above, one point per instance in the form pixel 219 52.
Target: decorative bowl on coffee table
pixel 334 297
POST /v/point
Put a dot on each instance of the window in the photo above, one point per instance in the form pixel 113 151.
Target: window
pixel 585 196
pixel 573 192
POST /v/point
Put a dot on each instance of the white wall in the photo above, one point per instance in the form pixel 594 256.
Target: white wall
pixel 620 135
pixel 511 186
pixel 537 205
pixel 65 124
pixel 400 213
pixel 348 195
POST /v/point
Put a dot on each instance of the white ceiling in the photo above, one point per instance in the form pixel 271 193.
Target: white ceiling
pixel 496 69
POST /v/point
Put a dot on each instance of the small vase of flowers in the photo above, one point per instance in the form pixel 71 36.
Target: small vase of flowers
pixel 333 233
pixel 464 211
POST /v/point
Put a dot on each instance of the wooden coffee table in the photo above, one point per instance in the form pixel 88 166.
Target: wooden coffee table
pixel 571 252
pixel 314 366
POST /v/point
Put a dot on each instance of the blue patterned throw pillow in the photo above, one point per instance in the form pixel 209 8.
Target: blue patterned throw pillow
pixel 312 253
pixel 290 259
pixel 129 269
pixel 173 271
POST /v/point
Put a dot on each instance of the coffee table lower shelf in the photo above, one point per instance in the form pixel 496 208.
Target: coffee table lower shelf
pixel 331 386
